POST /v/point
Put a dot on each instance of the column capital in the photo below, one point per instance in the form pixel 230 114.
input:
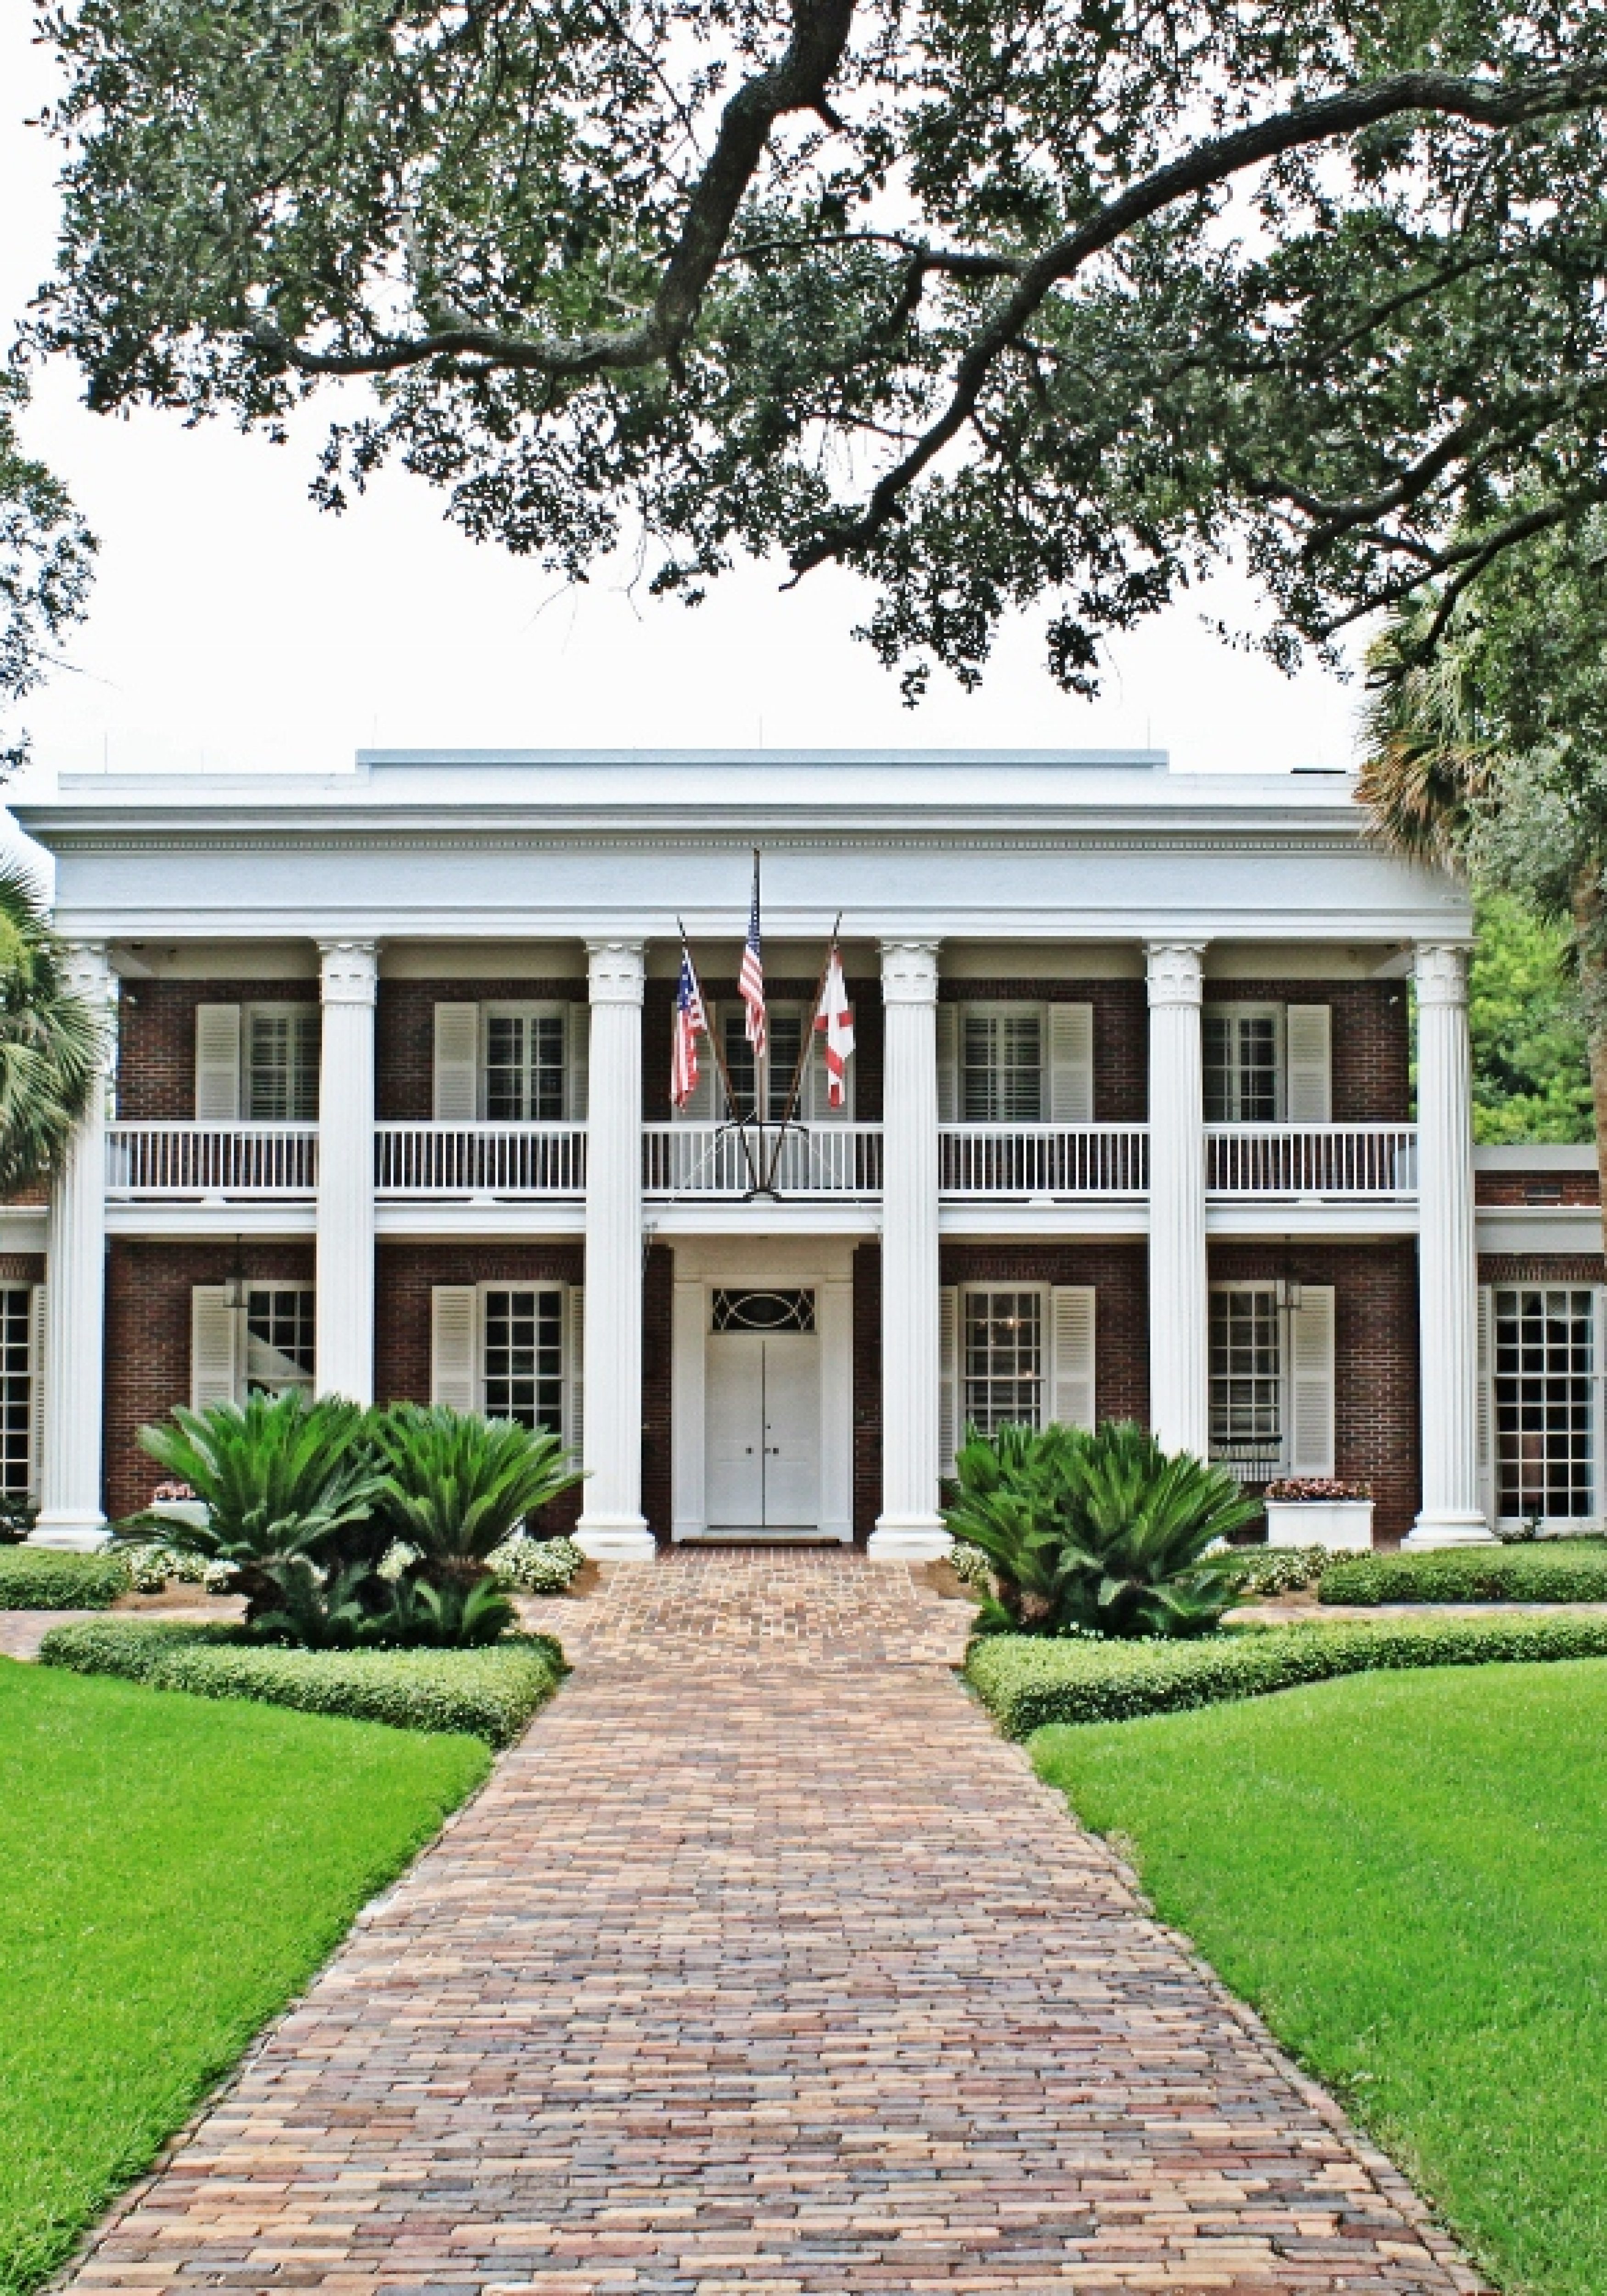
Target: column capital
pixel 349 971
pixel 1176 975
pixel 87 969
pixel 1440 969
pixel 909 971
pixel 616 970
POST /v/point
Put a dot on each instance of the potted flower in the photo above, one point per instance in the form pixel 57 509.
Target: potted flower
pixel 178 1503
pixel 1315 1511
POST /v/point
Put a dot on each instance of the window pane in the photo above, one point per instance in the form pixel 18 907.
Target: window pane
pixel 1003 1365
pixel 282 1067
pixel 1246 1382
pixel 1002 1058
pixel 506 1068
pixel 1258 1070
pixel 786 1034
pixel 740 1064
pixel 279 1327
pixel 1545 1381
pixel 546 1087
pixel 16 1388
pixel 1217 1047
pixel 524 1357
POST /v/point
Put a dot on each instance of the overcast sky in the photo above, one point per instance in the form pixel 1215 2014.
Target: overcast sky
pixel 234 626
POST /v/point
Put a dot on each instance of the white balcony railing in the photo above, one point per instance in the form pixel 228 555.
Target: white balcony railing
pixel 720 1159
pixel 1324 1163
pixel 480 1160
pixel 225 1160
pixel 1053 1162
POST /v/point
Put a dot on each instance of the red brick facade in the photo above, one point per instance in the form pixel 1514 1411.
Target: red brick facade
pixel 156 1038
pixel 405 1033
pixel 1536 1188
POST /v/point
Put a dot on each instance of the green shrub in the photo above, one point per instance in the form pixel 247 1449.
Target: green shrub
pixel 1257 1573
pixel 1550 1572
pixel 490 1693
pixel 458 1486
pixel 535 1566
pixel 1025 1681
pixel 48 1578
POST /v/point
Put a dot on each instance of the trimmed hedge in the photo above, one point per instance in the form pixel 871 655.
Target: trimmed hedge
pixel 1025 1681
pixel 1550 1572
pixel 490 1692
pixel 54 1578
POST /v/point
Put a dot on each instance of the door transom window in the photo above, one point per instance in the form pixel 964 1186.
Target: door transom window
pixel 763 1311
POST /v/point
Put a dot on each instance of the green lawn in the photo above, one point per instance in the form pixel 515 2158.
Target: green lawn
pixel 1407 1875
pixel 172 1870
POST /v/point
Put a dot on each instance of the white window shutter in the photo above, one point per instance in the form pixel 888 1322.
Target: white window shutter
pixel 1311 1381
pixel 37 1328
pixel 215 1365
pixel 574 1370
pixel 1484 1409
pixel 456 1099
pixel 576 1051
pixel 704 1106
pixel 949 1063
pixel 1308 1080
pixel 454 1346
pixel 949 1376
pixel 217 1063
pixel 1071 1315
pixel 1070 1064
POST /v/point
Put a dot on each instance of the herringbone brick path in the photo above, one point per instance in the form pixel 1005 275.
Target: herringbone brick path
pixel 783 1978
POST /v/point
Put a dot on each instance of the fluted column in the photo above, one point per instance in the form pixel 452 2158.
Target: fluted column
pixel 1179 1400
pixel 1448 1268
pixel 344 1274
pixel 909 1523
pixel 71 1513
pixel 612 1522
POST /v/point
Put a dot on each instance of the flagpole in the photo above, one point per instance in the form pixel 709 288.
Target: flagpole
pixel 806 1045
pixel 724 1075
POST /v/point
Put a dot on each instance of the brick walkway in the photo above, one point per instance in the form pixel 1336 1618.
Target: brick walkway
pixel 781 1977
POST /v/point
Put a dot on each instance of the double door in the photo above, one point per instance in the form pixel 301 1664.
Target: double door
pixel 762 1403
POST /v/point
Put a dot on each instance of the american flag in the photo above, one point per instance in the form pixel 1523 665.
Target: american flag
pixel 691 1022
pixel 751 982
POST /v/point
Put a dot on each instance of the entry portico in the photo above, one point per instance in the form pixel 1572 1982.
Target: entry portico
pixel 1129 1132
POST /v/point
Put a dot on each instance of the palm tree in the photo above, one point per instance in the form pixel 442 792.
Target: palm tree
pixel 52 1042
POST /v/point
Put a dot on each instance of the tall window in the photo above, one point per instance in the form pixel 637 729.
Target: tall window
pixel 16 1386
pixel 1545 1402
pixel 1003 1358
pixel 1247 1378
pixel 282 1063
pixel 780 1062
pixel 1240 1051
pixel 280 1321
pixel 524 1068
pixel 524 1356
pixel 1002 1068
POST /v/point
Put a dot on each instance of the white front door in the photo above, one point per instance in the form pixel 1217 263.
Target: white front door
pixel 762 1406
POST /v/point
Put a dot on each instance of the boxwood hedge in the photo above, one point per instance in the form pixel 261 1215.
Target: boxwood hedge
pixel 1026 1681
pixel 49 1579
pixel 490 1693
pixel 1549 1571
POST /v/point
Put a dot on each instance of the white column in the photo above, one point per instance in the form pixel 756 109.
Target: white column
pixel 1448 1277
pixel 611 1522
pixel 71 1513
pixel 909 1523
pixel 345 1269
pixel 1179 1403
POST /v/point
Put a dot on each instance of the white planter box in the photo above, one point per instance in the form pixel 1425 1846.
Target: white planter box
pixel 1345 1525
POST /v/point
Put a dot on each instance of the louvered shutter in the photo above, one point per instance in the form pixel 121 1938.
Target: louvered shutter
pixel 456 1097
pixel 704 1106
pixel 37 1328
pixel 1484 1403
pixel 1071 1314
pixel 215 1350
pixel 217 1063
pixel 1070 1064
pixel 1311 1381
pixel 454 1346
pixel 949 1063
pixel 1309 1084
pixel 577 1049
pixel 574 1370
pixel 948 1377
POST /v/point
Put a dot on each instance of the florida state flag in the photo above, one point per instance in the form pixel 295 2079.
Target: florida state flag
pixel 835 1023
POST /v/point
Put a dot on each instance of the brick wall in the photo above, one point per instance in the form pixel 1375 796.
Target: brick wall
pixel 148 1288
pixel 405 1033
pixel 1536 1188
pixel 1121 1033
pixel 1119 1275
pixel 156 1038
pixel 867 1388
pixel 658 1312
pixel 1542 1268
pixel 1371 1039
pixel 22 1268
pixel 1377 1433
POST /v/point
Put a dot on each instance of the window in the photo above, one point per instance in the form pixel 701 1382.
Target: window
pixel 524 1065
pixel 1546 1402
pixel 280 1324
pixel 16 1387
pixel 1001 1066
pixel 763 1311
pixel 1247 1378
pixel 1241 1052
pixel 780 1063
pixel 281 1050
pixel 523 1360
pixel 1002 1358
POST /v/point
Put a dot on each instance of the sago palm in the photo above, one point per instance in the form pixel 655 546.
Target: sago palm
pixel 52 1042
pixel 457 1485
pixel 1143 1521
